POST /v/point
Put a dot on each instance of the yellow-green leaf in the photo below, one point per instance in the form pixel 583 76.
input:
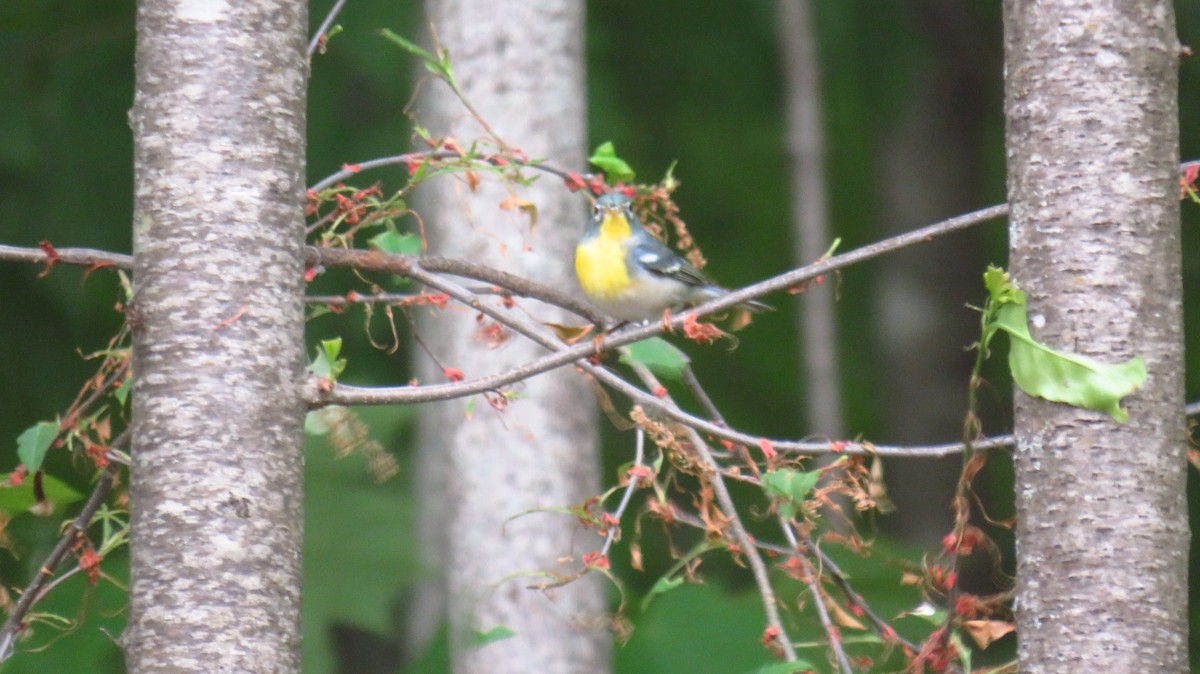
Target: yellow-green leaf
pixel 663 358
pixel 391 241
pixel 789 488
pixel 33 444
pixel 17 500
pixel 1059 376
pixel 616 169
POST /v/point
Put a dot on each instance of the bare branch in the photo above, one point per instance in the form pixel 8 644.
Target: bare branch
pixel 84 257
pixel 402 265
pixel 627 496
pixel 324 28
pixel 813 580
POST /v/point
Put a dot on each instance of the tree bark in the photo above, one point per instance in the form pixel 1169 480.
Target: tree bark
pixel 219 135
pixel 1092 138
pixel 520 63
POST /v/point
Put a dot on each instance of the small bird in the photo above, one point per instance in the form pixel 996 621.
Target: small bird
pixel 631 275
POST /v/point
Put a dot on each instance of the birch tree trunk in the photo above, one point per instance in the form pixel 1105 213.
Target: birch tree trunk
pixel 1092 138
pixel 520 63
pixel 218 124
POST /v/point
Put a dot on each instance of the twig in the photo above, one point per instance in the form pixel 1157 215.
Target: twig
pixel 842 581
pixel 736 529
pixel 325 25
pixel 814 586
pixel 408 157
pixel 835 572
pixel 627 496
pixel 402 265
pixel 396 299
pixel 84 257
pixel 413 267
pixel 33 592
pixel 399 264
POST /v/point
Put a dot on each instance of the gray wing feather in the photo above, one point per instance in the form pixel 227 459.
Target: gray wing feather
pixel 657 259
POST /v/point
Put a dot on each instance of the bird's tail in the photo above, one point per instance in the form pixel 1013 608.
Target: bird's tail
pixel 713 292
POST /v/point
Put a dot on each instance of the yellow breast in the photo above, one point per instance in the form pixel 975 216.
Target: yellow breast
pixel 600 266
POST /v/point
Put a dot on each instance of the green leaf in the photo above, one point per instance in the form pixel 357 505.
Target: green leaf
pixel 663 358
pixel 122 392
pixel 33 444
pixel 17 500
pixel 438 65
pixel 669 181
pixel 499 633
pixel 316 421
pixel 790 488
pixel 1043 372
pixel 605 158
pixel 662 586
pixel 786 667
pixel 673 577
pixel 391 241
pixel 327 365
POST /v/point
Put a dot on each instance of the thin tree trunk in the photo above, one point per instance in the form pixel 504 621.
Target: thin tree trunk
pixel 810 215
pixel 1092 140
pixel 520 64
pixel 218 125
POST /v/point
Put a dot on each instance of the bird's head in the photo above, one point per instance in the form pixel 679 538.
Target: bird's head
pixel 613 217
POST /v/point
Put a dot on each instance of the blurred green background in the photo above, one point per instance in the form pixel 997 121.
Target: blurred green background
pixel 914 120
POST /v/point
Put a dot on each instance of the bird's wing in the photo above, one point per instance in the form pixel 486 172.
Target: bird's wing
pixel 653 256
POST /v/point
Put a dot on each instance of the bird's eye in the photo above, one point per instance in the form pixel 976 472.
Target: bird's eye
pixel 597 211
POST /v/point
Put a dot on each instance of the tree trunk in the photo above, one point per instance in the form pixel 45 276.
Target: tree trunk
pixel 817 318
pixel 520 63
pixel 218 124
pixel 1092 139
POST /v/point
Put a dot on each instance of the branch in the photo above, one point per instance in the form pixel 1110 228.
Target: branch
pixel 736 529
pixel 840 578
pixel 814 586
pixel 409 157
pixel 85 257
pixel 562 355
pixel 33 592
pixel 402 265
pixel 324 28
pixel 843 582
pixel 627 496
pixel 413 267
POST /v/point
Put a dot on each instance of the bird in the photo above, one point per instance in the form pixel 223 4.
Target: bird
pixel 632 276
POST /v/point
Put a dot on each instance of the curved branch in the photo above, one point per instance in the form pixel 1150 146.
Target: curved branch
pixel 404 265
pixel 561 354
